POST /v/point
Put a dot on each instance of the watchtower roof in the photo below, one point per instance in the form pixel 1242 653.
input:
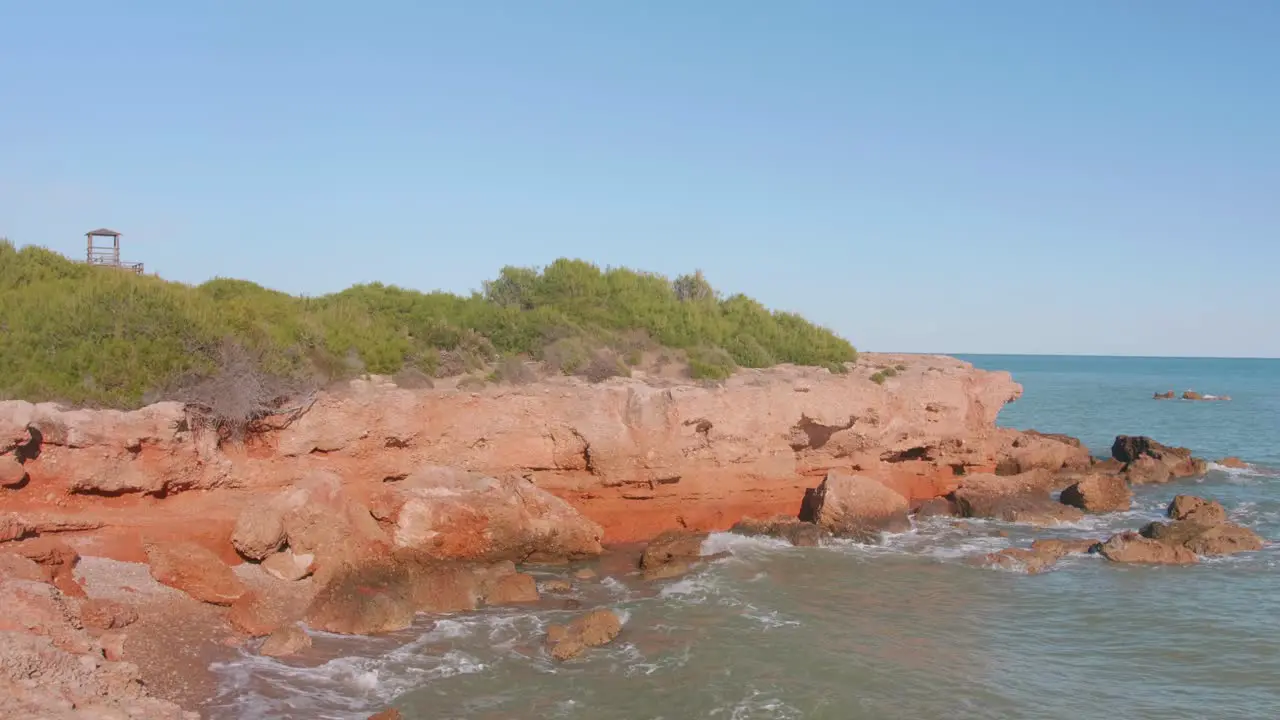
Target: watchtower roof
pixel 103 232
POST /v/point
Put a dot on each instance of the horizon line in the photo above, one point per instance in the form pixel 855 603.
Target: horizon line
pixel 1099 355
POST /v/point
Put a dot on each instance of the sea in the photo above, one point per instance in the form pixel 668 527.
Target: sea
pixel 910 629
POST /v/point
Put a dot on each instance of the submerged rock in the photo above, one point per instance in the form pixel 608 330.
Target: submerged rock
pixel 852 506
pixel 594 629
pixel 1099 493
pixel 1061 547
pixel 794 531
pixel 1234 463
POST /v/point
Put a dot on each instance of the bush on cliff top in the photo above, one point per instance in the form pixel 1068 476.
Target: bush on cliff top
pixel 80 334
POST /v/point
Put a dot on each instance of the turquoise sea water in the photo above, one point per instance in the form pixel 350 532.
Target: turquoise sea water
pixel 909 629
pixel 1097 398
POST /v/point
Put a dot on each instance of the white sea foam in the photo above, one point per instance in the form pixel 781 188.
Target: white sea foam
pixel 757 705
pixel 743 545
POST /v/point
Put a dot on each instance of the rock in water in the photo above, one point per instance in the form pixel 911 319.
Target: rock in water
pixel 1234 463
pixel 1196 509
pixel 858 507
pixel 672 547
pixel 1225 539
pixel 1099 493
pixel 288 640
pixel 796 532
pixel 594 629
pixel 1061 548
pixel 194 570
pixel 1130 547
pixel 512 589
pixel 1019 498
pixel 1147 461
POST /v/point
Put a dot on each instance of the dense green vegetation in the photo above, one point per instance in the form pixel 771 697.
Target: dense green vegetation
pixel 80 334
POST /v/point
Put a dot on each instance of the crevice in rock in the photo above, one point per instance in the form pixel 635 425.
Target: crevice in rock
pixel 916 453
pixel 395 478
pixel 816 433
pixel 30 450
pixel 395 442
pixel 959 469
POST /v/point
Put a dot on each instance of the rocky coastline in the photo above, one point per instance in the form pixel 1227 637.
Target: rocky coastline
pixel 134 550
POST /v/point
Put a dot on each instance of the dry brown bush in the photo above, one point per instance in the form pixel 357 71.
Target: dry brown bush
pixel 411 378
pixel 514 371
pixel 603 365
pixel 240 399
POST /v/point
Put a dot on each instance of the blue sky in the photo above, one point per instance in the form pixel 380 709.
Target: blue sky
pixel 994 176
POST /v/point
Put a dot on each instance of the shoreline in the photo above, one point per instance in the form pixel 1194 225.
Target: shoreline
pixel 446 500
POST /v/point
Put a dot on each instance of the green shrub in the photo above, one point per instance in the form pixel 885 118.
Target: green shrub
pixel 710 363
pixel 97 336
pixel 879 378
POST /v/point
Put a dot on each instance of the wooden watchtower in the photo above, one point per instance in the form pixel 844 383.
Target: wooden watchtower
pixel 104 249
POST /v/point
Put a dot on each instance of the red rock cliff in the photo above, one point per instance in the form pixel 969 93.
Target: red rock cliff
pixel 635 456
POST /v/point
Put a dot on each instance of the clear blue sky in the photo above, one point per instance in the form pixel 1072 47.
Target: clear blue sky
pixel 992 176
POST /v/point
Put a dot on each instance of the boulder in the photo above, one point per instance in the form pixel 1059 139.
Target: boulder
pixel 258 615
pixel 1060 548
pixel 453 514
pixel 594 629
pixel 1204 539
pixel 288 640
pixel 12 473
pixel 1192 395
pixel 58 561
pixel 1196 509
pixel 1021 498
pixel 1234 463
pixel 1225 539
pixel 1147 471
pixel 1021 559
pixel 383 595
pixel 670 547
pixel 1130 547
pixel 858 507
pixel 796 532
pixel 556 586
pixel 316 518
pixel 1031 450
pixel 287 566
pixel 1147 461
pixel 936 507
pixel 1099 493
pixel 1167 395
pixel 194 570
pixel 368 600
pixel 512 589
pixel 102 614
